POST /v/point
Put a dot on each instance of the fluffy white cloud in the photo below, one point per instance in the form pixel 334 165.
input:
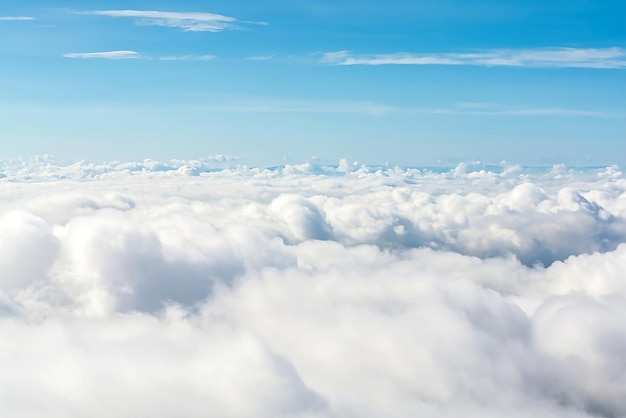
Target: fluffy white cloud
pixel 24 236
pixel 177 288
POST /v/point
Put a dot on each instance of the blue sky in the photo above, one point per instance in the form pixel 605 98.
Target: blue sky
pixel 404 82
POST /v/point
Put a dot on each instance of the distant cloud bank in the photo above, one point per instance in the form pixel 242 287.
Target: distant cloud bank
pixel 311 290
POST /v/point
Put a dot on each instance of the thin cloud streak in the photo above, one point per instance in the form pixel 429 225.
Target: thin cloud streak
pixel 119 55
pixel 112 55
pixel 379 109
pixel 187 21
pixel 15 18
pixel 600 58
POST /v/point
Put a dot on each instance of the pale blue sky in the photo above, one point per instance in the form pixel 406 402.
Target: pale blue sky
pixel 404 82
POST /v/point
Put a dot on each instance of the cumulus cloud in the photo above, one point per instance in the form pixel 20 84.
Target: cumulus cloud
pixel 310 290
pixel 187 21
pixel 601 58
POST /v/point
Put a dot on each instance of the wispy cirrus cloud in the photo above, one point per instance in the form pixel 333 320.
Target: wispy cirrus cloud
pixel 112 55
pixel 380 109
pixel 602 58
pixel 15 18
pixel 120 55
pixel 495 109
pixel 187 21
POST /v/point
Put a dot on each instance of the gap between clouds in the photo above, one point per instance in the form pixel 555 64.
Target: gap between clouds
pixel 286 105
pixel 291 106
pixel 599 58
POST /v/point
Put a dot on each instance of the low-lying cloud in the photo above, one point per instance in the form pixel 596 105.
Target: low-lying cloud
pixel 178 288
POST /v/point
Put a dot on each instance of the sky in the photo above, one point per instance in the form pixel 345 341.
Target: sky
pixel 399 82
pixel 313 209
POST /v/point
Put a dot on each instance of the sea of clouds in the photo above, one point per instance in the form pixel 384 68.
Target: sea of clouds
pixel 205 289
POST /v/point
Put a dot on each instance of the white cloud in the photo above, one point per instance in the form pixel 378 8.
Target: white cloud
pixel 112 55
pixel 547 57
pixel 188 21
pixel 15 18
pixel 116 55
pixel 316 291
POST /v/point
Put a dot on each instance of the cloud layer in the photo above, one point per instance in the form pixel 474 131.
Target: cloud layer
pixel 600 58
pixel 311 291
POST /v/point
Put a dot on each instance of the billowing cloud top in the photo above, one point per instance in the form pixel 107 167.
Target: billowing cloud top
pixel 311 291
